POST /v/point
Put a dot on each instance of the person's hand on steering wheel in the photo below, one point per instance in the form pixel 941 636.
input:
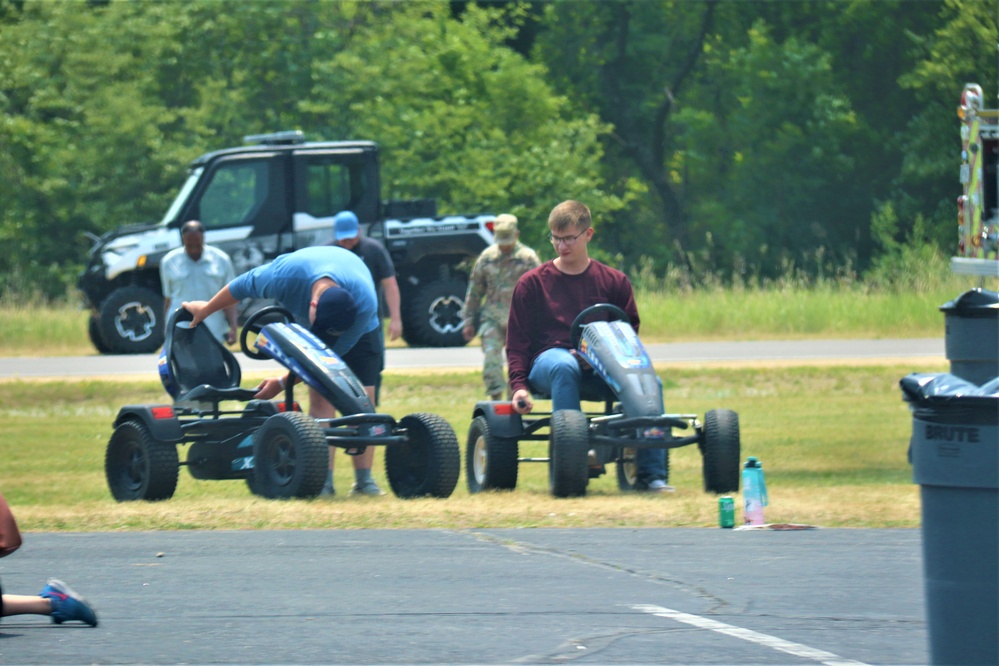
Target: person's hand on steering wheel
pixel 522 403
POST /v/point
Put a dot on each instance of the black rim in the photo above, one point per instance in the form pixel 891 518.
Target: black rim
pixel 132 467
pixel 415 463
pixel 281 459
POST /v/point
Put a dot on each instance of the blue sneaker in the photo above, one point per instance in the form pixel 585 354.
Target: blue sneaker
pixel 67 605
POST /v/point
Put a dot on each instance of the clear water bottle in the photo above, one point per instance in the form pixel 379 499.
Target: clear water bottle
pixel 754 492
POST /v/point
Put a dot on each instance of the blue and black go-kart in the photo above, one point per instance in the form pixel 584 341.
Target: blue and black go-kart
pixel 580 443
pixel 279 451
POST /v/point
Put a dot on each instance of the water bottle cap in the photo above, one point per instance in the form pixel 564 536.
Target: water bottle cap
pixel 751 461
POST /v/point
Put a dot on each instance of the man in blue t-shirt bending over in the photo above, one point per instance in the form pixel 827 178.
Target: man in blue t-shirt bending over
pixel 330 291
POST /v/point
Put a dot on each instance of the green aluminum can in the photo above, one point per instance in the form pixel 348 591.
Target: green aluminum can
pixel 726 512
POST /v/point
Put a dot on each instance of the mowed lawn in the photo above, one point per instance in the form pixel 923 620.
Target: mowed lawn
pixel 832 439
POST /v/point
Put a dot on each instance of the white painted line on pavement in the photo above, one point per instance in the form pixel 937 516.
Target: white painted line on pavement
pixel 793 649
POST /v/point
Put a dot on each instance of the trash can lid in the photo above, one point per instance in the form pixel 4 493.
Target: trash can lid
pixel 974 303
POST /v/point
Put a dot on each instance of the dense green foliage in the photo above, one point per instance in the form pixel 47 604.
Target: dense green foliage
pixel 717 138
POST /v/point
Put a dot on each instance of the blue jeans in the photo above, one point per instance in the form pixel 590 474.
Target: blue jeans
pixel 556 372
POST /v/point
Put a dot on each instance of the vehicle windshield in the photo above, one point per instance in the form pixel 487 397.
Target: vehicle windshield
pixel 182 196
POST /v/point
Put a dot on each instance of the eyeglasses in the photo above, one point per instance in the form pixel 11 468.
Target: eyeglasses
pixel 566 240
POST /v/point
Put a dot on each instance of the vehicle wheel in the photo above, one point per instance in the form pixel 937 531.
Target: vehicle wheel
pixel 627 469
pixel 431 314
pixel 569 443
pixel 94 333
pixel 290 457
pixel 721 451
pixel 131 322
pixel 429 463
pixel 490 461
pixel 138 466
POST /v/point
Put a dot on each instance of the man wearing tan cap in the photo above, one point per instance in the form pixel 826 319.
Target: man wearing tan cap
pixel 487 303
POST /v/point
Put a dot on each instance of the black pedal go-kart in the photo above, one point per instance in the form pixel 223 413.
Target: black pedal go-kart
pixel 279 451
pixel 581 443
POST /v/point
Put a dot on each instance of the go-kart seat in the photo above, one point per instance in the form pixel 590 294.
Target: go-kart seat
pixel 195 366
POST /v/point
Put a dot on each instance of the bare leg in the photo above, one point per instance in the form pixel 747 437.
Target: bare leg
pixel 320 408
pixel 19 604
pixel 366 459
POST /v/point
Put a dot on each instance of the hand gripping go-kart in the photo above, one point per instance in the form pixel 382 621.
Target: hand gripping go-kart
pixel 581 443
pixel 278 450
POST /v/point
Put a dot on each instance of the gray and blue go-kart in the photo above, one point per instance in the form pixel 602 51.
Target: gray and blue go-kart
pixel 580 443
pixel 279 451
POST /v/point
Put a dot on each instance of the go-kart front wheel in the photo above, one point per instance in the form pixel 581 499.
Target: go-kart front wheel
pixel 290 457
pixel 568 446
pixel 490 461
pixel 627 468
pixel 138 466
pixel 428 463
pixel 721 450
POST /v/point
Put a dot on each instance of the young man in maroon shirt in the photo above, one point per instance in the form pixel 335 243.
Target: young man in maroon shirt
pixel 545 302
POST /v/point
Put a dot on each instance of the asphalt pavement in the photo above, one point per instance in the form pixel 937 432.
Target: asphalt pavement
pixel 491 596
pixel 405 358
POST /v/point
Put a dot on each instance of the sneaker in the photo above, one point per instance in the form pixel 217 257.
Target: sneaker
pixel 659 486
pixel 328 490
pixel 368 488
pixel 67 605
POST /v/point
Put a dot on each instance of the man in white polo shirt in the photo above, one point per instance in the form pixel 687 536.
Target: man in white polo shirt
pixel 195 272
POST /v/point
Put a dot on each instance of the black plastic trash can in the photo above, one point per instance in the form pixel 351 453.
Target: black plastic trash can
pixel 955 460
pixel 971 337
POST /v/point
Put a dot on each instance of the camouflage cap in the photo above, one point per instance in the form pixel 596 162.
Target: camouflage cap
pixel 505 229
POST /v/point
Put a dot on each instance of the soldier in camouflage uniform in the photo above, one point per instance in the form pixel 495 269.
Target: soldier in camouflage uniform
pixel 487 303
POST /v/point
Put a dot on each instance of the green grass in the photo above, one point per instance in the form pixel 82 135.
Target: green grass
pixel 792 313
pixel 774 312
pixel 823 467
pixel 832 439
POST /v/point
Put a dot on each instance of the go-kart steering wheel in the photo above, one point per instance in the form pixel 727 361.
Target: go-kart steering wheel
pixel 269 315
pixel 576 330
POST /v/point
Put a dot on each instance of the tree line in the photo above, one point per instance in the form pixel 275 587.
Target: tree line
pixel 715 137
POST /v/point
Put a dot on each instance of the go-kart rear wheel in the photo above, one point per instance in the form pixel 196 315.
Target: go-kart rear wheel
pixel 138 466
pixel 627 468
pixel 290 457
pixel 720 450
pixel 568 446
pixel 428 463
pixel 490 461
